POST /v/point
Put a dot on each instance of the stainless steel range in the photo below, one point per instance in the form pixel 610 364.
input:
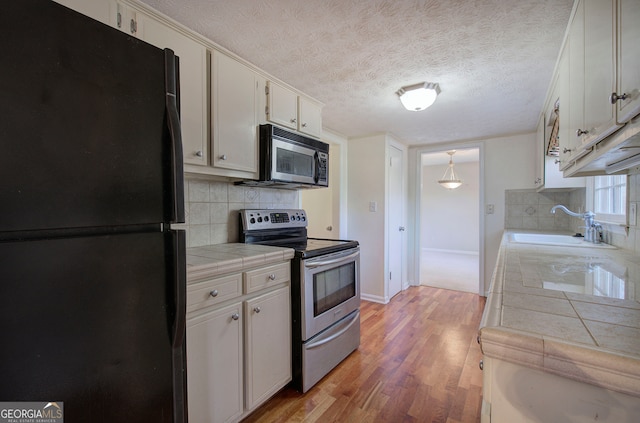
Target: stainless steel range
pixel 325 291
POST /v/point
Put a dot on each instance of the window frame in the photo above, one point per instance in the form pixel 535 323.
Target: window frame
pixel 618 219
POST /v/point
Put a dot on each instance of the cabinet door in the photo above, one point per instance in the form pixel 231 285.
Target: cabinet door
pixel 282 106
pixel 234 114
pixel 566 103
pixel 99 10
pixel 214 365
pixel 576 81
pixel 599 70
pixel 310 117
pixel 628 59
pixel 193 85
pixel 540 152
pixel 267 345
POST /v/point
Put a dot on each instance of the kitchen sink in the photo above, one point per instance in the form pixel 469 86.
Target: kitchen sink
pixel 554 239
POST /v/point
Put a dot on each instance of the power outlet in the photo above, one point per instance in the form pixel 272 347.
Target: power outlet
pixel 633 214
pixel 373 206
pixel 490 209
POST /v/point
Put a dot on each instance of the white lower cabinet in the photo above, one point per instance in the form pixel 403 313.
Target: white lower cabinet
pixel 268 328
pixel 214 365
pixel 238 342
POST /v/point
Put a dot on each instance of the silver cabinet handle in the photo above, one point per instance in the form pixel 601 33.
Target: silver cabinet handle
pixel 304 125
pixel 134 26
pixel 566 150
pixel 119 20
pixel 199 153
pixel 257 309
pixel 538 181
pixel 615 97
pixel 223 157
pixel 580 132
pixel 401 228
pixel 214 293
pixel 235 316
pixel 272 277
pixel 557 161
pixel 294 120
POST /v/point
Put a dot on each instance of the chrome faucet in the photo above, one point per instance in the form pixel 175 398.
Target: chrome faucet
pixel 593 230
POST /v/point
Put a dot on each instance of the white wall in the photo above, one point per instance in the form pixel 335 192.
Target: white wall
pixel 366 184
pixel 450 218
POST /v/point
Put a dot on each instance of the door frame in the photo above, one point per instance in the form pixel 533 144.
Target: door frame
pixel 418 204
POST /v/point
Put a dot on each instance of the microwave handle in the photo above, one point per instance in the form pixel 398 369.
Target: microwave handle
pixel 316 158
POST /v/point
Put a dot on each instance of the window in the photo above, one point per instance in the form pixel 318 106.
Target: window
pixel 608 198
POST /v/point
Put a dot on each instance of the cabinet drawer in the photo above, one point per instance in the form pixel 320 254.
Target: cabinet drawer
pixel 213 291
pixel 265 277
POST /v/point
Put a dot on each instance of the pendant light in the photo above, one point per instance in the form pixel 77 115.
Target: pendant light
pixel 449 179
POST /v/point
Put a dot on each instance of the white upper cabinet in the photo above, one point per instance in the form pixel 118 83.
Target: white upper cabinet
pixel 193 85
pixel 282 106
pixel 235 98
pixel 310 117
pixel 599 71
pixel 628 60
pixel 288 109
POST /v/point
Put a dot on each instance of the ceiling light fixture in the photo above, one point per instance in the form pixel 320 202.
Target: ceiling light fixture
pixel 419 96
pixel 451 181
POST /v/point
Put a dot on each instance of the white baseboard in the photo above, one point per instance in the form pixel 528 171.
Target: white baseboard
pixel 374 298
pixel 438 250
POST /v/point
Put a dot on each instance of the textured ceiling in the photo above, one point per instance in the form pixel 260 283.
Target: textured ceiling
pixel 493 59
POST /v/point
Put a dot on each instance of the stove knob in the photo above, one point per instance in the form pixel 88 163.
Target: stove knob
pixel 252 220
pixel 259 219
pixel 266 218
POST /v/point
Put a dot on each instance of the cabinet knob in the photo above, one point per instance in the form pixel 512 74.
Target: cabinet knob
pixel 538 181
pixel 401 229
pixel 199 153
pixel 580 132
pixel 294 120
pixel 272 277
pixel 567 150
pixel 257 309
pixel 481 364
pixel 329 228
pixel 557 161
pixel 235 316
pixel 304 125
pixel 214 293
pixel 223 157
pixel 615 97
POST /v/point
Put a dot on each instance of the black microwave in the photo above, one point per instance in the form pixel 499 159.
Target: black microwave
pixel 291 160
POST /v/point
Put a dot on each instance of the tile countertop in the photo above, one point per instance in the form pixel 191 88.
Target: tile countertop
pixel 214 260
pixel 541 313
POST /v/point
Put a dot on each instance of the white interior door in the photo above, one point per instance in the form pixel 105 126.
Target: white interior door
pixel 396 225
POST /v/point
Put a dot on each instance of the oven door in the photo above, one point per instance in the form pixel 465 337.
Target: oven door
pixel 330 290
pixel 292 163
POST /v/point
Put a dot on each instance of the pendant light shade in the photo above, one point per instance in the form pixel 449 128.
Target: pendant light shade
pixel 419 96
pixel 450 180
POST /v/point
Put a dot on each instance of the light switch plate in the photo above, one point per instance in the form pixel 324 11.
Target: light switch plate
pixel 490 209
pixel 373 206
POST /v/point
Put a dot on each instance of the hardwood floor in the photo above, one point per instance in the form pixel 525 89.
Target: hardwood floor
pixel 417 362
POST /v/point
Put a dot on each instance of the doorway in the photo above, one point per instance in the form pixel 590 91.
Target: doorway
pixel 450 224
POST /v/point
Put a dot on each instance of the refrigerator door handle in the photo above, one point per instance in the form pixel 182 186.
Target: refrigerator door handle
pixel 180 280
pixel 173 122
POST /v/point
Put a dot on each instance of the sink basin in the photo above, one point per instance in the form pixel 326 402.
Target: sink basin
pixel 553 239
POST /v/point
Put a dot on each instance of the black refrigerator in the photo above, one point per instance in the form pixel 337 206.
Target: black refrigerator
pixel 92 276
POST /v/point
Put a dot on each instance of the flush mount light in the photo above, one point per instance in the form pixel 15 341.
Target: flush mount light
pixel 419 96
pixel 449 179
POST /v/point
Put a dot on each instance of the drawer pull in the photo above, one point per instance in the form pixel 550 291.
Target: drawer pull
pixel 214 293
pixel 257 309
pixel 272 276
pixel 235 316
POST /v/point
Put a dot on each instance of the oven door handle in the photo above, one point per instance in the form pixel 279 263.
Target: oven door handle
pixel 315 264
pixel 333 336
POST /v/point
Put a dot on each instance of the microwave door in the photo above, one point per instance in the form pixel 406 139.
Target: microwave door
pixel 292 163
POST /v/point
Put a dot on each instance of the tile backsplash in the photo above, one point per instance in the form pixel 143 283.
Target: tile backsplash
pixel 528 209
pixel 211 208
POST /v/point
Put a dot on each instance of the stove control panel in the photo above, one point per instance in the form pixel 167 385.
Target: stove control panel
pixel 273 219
